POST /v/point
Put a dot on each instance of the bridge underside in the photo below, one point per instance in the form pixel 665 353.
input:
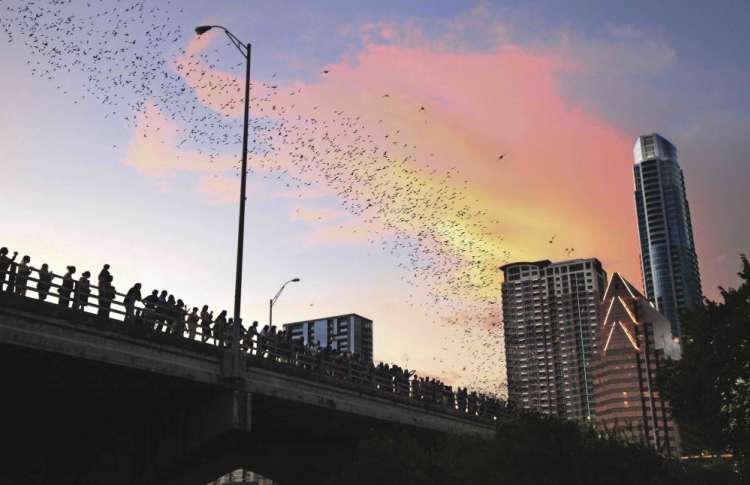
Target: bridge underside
pixel 69 420
pixel 86 401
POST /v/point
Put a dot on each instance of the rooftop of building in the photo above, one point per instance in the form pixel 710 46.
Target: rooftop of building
pixel 653 147
pixel 644 312
pixel 344 315
pixel 546 262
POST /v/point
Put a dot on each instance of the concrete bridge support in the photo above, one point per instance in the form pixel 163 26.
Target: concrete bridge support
pixel 85 426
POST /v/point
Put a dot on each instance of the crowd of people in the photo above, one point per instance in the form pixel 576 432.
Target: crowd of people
pixel 161 312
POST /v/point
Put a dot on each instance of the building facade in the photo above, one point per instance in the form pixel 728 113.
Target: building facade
pixel 242 477
pixel 669 264
pixel 550 314
pixel 634 338
pixel 345 333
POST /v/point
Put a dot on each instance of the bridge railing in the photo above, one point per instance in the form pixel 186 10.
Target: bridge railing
pixel 107 303
pixel 344 369
pixel 283 355
pixel 53 288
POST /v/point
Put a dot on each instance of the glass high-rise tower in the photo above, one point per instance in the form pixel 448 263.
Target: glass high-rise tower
pixel 669 263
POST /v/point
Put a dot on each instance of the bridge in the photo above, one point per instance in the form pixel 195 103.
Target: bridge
pixel 116 397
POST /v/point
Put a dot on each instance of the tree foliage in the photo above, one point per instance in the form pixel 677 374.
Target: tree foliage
pixel 709 387
pixel 532 449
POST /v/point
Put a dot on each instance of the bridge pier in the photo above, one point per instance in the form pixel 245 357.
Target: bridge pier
pixel 182 441
pixel 67 422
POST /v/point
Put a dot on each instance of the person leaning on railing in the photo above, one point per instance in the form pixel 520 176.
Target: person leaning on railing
pixel 248 342
pixel 44 282
pixel 104 276
pixel 178 314
pixel 6 268
pixel 66 289
pixel 133 295
pixel 82 292
pixel 159 311
pixel 149 310
pixel 192 323
pixel 106 294
pixel 220 325
pixel 206 318
pixel 22 277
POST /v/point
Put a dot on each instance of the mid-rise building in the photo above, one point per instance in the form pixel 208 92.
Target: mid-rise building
pixel 550 314
pixel 242 477
pixel 352 333
pixel 634 338
pixel 669 264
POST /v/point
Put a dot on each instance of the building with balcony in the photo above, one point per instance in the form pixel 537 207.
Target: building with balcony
pixel 345 333
pixel 550 314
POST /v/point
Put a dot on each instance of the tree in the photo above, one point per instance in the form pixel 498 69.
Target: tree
pixel 529 450
pixel 709 387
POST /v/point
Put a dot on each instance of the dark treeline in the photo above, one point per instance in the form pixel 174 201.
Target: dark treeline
pixel 709 387
pixel 531 450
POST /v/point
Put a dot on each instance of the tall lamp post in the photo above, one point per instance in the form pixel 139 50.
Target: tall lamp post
pixel 272 301
pixel 245 50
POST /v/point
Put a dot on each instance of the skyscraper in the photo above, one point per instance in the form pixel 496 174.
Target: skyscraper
pixel 346 333
pixel 550 314
pixel 669 264
pixel 633 340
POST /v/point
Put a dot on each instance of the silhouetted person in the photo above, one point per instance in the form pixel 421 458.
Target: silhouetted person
pixel 220 326
pixel 83 290
pixel 162 310
pixel 249 341
pixel 106 296
pixel 67 287
pixel 22 278
pixel 5 266
pixel 228 332
pixel 149 314
pixel 263 340
pixel 168 311
pixel 206 318
pixel 44 283
pixel 192 322
pixel 177 326
pixel 133 295
pixel 101 294
pixel 104 277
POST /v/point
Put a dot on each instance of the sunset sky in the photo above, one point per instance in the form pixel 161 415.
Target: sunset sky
pixel 410 230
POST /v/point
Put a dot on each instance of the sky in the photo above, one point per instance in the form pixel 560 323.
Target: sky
pixel 376 174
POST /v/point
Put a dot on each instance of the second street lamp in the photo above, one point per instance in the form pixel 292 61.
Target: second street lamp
pixel 245 50
pixel 272 301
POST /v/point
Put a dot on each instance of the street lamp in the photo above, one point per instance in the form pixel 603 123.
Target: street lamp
pixel 245 50
pixel 272 301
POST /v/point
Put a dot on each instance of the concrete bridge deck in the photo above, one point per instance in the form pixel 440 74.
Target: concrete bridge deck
pixel 89 400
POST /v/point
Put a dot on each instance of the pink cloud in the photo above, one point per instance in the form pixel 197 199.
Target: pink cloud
pixel 220 189
pixel 152 150
pixel 315 215
pixel 417 110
